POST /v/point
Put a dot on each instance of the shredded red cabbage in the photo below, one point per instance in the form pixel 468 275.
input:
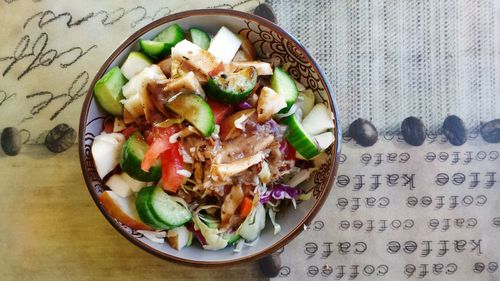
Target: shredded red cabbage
pixel 280 191
pixel 276 128
pixel 244 105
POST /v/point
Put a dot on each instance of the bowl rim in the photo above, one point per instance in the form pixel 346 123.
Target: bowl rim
pixel 309 215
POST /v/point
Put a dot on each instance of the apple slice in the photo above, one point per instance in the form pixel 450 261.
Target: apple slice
pixel 325 140
pixel 224 45
pixel 106 150
pixel 122 209
pixel 179 237
pixel 118 185
pixel 269 103
pixel 318 120
pixel 124 185
pixel 134 64
pixel 134 184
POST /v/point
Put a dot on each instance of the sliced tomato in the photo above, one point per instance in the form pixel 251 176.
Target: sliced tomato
pixel 171 163
pixel 287 150
pixel 159 144
pixel 220 110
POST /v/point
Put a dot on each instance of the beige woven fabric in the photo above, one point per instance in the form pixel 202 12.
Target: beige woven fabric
pixel 388 60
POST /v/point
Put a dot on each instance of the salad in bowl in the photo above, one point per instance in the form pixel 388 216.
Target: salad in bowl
pixel 204 141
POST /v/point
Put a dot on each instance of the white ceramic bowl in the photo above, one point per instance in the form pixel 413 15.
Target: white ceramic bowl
pixel 270 41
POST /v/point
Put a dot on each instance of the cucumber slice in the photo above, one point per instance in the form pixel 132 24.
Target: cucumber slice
pixel 297 136
pixel 318 120
pixel 132 154
pixel 163 43
pixel 233 87
pixel 158 209
pixel 154 49
pixel 108 91
pixel 199 37
pixel 142 204
pixel 134 64
pixel 285 86
pixel 170 36
pixel 195 110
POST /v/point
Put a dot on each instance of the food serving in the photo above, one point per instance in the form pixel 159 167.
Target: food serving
pixel 204 140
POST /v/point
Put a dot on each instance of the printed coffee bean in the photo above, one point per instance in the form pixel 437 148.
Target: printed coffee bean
pixel 60 138
pixel 413 131
pixel 454 130
pixel 266 11
pixel 363 132
pixel 490 131
pixel 270 266
pixel 11 141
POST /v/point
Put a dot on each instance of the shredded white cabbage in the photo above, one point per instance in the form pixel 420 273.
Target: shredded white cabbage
pixel 300 177
pixel 272 216
pixel 253 224
pixel 239 245
pixel 189 130
pixel 290 112
pixel 180 201
pixel 238 123
pixel 154 236
pixel 206 207
pixel 212 236
pixel 186 157
pixel 184 173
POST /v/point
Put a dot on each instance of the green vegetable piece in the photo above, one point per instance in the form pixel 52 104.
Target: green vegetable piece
pixel 195 110
pixel 283 84
pixel 154 49
pixel 132 154
pixel 297 136
pixel 200 38
pixel 232 238
pixel 163 43
pixel 108 91
pixel 233 87
pixel 142 204
pixel 159 210
pixel 170 36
